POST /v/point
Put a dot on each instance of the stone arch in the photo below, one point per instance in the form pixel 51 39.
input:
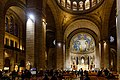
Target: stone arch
pixel 15 7
pixel 83 17
pixel 93 34
pixel 81 24
pixel 86 26
pixel 17 3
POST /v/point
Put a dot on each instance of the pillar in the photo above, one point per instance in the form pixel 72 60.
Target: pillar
pixel 67 57
pixel 59 55
pixel 104 54
pixel 97 56
pixel 36 42
pixel 30 31
pixel 2 31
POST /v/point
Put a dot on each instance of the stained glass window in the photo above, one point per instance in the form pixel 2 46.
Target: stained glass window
pixel 6 25
pixel 11 25
pixel 16 30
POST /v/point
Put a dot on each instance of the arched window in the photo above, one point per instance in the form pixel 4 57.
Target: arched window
pixel 6 24
pixel 74 6
pixel 16 30
pixel 82 60
pixel 80 5
pixel 94 2
pixel 87 4
pixel 63 3
pixel 11 25
pixel 68 4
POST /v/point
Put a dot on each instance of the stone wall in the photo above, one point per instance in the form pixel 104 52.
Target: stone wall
pixel 118 37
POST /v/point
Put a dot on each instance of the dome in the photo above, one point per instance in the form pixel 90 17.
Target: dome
pixel 79 6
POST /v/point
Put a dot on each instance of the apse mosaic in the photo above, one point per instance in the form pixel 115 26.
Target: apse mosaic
pixel 82 43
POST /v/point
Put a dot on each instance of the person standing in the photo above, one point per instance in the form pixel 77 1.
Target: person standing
pixel 86 77
pixel 81 74
pixel 22 75
pixel 54 77
pixel 46 77
pixel 106 72
pixel 14 75
pixel 1 74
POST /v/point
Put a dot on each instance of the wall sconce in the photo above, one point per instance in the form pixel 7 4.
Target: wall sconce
pixel 104 41
pixel 59 44
pixel 104 44
pixel 44 21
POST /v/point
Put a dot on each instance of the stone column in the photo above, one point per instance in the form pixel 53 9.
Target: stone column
pixel 67 59
pixel 97 55
pixel 59 62
pixel 37 56
pixel 102 54
pixel 40 42
pixel 118 37
pixel 30 31
pixel 59 56
pixel 2 31
pixel 106 55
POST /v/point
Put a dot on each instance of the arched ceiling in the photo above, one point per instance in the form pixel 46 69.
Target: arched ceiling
pixel 24 1
pixel 101 15
pixel 81 24
pixel 19 12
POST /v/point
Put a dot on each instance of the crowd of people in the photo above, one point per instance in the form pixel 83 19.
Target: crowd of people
pixel 51 74
pixel 15 75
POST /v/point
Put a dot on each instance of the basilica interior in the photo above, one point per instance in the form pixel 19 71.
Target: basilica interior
pixel 60 34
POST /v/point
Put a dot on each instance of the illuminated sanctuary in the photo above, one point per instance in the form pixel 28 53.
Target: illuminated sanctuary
pixel 82 52
pixel 60 34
